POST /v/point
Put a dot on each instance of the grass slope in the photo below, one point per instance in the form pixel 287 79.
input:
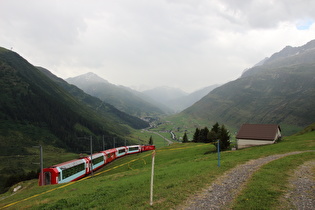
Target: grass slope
pixel 180 171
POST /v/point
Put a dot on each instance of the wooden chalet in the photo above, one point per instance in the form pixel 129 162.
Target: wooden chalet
pixel 257 134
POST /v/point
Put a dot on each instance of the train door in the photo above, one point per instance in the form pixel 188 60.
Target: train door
pixel 47 178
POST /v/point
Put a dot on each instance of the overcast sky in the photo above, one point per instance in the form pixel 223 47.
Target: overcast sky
pixel 187 44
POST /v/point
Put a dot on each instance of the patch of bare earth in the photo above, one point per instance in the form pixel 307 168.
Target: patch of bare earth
pixel 301 193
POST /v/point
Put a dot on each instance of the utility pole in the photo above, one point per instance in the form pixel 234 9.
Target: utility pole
pixel 103 143
pixel 218 152
pixel 91 147
pixel 41 164
pixel 91 151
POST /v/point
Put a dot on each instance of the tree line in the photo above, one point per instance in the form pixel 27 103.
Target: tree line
pixel 217 133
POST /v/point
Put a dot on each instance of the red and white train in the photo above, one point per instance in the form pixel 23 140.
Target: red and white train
pixel 79 168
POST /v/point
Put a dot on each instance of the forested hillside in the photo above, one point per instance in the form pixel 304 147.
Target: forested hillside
pixel 31 99
pixel 108 111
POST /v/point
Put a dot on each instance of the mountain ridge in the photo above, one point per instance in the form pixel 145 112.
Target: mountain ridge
pixel 280 91
pixel 123 98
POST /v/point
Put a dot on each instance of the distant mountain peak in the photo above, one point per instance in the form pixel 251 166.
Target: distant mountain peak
pixel 288 56
pixel 89 77
pixel 292 51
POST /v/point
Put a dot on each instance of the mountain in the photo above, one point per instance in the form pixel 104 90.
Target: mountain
pixel 123 98
pixel 281 90
pixel 164 94
pixel 108 111
pixel 183 102
pixel 86 79
pixel 37 110
pixel 176 99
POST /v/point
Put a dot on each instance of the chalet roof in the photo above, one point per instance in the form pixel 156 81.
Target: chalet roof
pixel 258 131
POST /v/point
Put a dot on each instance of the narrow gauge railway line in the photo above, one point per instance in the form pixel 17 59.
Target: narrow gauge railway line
pixel 69 184
pixel 76 169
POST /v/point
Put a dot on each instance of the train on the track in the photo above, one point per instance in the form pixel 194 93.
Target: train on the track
pixel 79 168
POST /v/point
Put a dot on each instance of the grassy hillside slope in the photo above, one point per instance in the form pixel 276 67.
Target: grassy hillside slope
pixel 180 171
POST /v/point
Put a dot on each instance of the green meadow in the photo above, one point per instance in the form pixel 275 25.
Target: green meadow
pixel 180 171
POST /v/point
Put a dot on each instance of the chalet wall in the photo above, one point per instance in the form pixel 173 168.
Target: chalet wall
pixel 243 143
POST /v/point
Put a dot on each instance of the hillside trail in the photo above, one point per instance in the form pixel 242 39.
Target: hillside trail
pixel 221 193
pixel 301 193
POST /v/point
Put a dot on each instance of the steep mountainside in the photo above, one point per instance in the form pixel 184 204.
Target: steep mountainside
pixel 35 108
pixel 108 111
pixel 121 97
pixel 281 91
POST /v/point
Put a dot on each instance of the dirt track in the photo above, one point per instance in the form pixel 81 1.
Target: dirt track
pixel 225 189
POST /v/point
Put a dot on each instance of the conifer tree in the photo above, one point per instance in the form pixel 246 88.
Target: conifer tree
pixel 196 135
pixel 224 138
pixel 151 141
pixel 185 138
pixel 203 135
pixel 214 133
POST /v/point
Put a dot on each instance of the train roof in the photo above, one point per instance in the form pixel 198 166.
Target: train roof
pixel 134 146
pixel 69 164
pixel 95 155
pixel 110 150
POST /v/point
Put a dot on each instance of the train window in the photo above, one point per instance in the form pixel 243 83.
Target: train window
pixel 121 151
pixel 108 155
pixel 73 170
pixel 98 160
pixel 133 148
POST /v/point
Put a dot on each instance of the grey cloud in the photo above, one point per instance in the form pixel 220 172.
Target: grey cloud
pixel 268 14
pixel 130 42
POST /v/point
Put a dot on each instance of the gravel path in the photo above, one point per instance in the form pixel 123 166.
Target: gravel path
pixel 302 187
pixel 223 190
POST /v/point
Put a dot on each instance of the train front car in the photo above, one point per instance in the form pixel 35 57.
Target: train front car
pixel 50 176
pixel 66 172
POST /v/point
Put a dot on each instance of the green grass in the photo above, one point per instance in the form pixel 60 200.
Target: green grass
pixel 144 137
pixel 180 171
